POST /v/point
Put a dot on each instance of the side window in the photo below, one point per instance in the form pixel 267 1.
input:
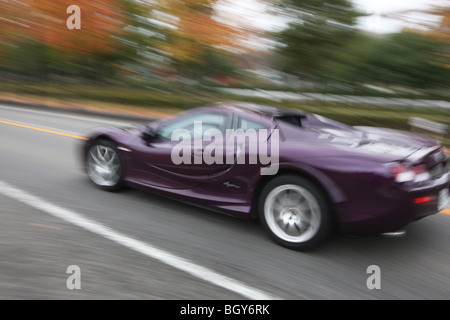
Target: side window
pixel 208 121
pixel 245 124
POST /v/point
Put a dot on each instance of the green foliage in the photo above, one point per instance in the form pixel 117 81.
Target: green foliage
pixel 213 63
pixel 408 59
pixel 322 45
pixel 321 28
pixel 40 61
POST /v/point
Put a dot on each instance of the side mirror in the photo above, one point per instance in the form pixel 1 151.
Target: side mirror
pixel 149 135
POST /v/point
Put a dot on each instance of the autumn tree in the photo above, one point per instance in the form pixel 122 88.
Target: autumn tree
pixel 436 27
pixel 101 22
pixel 45 21
pixel 194 33
pixel 35 39
pixel 440 30
pixel 14 22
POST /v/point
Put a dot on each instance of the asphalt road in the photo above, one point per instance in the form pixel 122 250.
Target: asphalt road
pixel 134 245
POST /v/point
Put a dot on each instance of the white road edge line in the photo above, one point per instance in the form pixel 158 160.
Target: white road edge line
pixel 146 249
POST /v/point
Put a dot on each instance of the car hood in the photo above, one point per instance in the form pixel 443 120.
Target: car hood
pixel 378 141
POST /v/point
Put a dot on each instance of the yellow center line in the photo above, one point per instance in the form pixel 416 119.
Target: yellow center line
pixel 446 211
pixel 43 130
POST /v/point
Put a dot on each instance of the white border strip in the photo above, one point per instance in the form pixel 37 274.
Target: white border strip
pixel 136 245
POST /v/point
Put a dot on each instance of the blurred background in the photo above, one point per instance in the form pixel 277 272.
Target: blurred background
pixel 333 57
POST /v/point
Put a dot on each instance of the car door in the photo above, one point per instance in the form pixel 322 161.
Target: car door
pixel 174 159
pixel 241 158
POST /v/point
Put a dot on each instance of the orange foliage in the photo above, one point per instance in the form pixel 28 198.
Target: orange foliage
pixel 196 29
pixel 440 29
pixel 45 21
pixel 13 21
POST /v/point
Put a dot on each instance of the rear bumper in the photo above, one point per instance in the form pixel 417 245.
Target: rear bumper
pixel 397 208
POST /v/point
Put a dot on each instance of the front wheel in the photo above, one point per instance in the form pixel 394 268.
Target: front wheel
pixel 104 165
pixel 294 212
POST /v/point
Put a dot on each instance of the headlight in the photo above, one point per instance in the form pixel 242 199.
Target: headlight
pixel 403 173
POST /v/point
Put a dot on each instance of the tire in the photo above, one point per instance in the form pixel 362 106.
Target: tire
pixel 294 212
pixel 104 165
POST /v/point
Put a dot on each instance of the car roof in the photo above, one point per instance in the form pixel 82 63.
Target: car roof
pixel 264 110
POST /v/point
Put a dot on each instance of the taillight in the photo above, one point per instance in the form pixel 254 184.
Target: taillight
pixel 424 199
pixel 403 173
pixel 421 173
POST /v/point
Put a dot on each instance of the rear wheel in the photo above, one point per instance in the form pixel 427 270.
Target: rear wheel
pixel 104 165
pixel 294 212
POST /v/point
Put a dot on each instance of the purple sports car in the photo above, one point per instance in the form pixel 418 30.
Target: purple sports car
pixel 301 174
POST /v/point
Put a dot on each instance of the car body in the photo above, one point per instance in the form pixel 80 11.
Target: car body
pixel 358 180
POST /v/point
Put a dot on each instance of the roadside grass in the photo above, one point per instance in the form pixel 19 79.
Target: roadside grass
pixel 178 94
pixel 177 98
